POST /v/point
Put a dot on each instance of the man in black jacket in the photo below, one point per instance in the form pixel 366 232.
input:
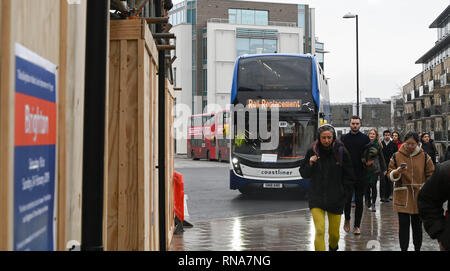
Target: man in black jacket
pixel 432 196
pixel 355 141
pixel 389 148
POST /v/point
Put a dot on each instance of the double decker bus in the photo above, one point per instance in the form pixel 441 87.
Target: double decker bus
pixel 296 87
pixel 207 136
pixel 220 130
pixel 199 136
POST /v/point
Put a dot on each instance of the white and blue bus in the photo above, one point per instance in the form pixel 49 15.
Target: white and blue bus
pixel 296 86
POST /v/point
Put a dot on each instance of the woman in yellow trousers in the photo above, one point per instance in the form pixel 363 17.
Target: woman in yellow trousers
pixel 327 163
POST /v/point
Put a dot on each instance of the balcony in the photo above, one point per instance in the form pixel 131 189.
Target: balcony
pixel 416 115
pixel 439 136
pixel 408 116
pixel 425 113
pixel 416 94
pixel 433 84
pixel 445 80
pixel 436 109
pixel 408 97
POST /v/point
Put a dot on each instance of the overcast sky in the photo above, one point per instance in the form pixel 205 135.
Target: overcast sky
pixel 393 34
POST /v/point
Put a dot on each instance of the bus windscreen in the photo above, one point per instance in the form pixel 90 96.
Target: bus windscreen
pixel 275 73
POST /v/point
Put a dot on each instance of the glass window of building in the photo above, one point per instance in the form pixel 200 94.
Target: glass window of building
pixel 243 46
pixel 194 82
pixel 205 82
pixel 301 16
pixel 319 57
pixel 261 17
pixel 194 53
pixel 270 46
pixel 232 16
pixel 256 46
pixel 194 16
pixel 247 16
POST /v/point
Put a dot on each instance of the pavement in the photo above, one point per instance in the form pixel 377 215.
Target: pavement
pixel 293 231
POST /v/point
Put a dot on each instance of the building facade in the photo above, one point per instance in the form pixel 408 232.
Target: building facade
pixel 211 34
pixel 426 96
pixel 374 114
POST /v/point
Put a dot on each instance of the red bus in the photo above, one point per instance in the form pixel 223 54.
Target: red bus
pixel 199 135
pixel 220 130
pixel 207 136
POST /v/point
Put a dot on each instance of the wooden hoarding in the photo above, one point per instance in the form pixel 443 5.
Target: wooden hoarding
pixel 131 188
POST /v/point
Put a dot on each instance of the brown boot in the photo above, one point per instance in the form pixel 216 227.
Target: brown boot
pixel 347 225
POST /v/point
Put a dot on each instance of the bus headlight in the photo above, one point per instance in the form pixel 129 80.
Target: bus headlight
pixel 235 161
pixel 236 166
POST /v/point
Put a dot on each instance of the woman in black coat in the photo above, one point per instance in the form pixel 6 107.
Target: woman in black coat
pixel 329 167
pixel 428 146
pixel 434 193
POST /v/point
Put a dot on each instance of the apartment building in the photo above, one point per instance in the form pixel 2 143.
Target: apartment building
pixel 211 34
pixel 375 113
pixel 426 96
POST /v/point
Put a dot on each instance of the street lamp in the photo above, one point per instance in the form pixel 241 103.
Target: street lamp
pixel 350 16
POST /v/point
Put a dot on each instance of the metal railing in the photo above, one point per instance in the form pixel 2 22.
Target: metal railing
pixel 270 23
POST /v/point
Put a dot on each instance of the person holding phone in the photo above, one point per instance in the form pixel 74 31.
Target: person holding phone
pixel 409 169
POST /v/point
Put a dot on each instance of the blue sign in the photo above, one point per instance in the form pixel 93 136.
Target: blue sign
pixel 34 151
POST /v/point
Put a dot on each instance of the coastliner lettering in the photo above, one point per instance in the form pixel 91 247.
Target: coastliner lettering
pixel 276 172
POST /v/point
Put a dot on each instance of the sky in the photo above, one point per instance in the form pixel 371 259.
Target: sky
pixel 393 34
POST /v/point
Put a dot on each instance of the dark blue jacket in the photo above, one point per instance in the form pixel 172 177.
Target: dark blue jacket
pixel 355 144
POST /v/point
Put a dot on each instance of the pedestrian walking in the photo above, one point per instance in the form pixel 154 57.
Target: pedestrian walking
pixel 355 141
pixel 328 165
pixel 375 166
pixel 396 139
pixel 434 193
pixel 409 169
pixel 428 146
pixel 389 148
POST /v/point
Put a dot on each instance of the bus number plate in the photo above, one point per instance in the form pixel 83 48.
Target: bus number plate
pixel 273 185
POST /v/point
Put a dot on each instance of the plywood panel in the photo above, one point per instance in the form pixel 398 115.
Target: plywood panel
pixel 76 44
pixel 5 138
pixel 132 208
pixel 61 162
pixel 54 30
pixel 111 187
pixel 128 208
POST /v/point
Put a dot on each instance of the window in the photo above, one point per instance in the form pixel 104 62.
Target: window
pixel 204 48
pixel 243 46
pixel 194 53
pixel 205 82
pixel 175 77
pixel 270 46
pixel 232 16
pixel 255 46
pixel 248 16
pixel 194 82
pixel 261 17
